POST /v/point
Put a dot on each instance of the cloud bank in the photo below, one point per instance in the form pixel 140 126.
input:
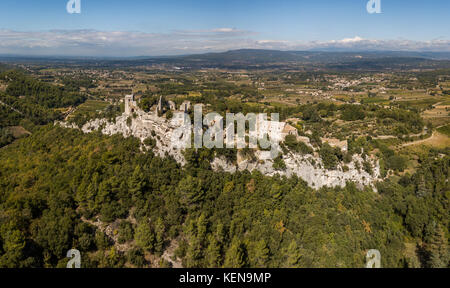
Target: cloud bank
pixel 121 43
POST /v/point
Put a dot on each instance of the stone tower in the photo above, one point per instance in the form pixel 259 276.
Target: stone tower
pixel 129 104
pixel 160 104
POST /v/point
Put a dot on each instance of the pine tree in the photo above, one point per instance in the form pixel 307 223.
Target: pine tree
pixel 236 255
pixel 144 236
pixel 91 193
pixel 160 230
pixel 220 233
pixel 194 254
pixel 14 245
pixel 293 255
pixel 421 187
pixel 213 253
pixel 438 249
pixel 214 258
pixel 136 183
pixel 260 254
pixel 202 226
pixel 190 192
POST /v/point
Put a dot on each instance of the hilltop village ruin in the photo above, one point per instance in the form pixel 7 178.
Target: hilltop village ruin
pixel 277 130
pixel 154 124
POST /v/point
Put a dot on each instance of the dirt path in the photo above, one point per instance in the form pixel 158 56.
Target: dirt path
pixel 109 230
pixel 169 254
pixel 385 137
pixel 69 113
pixel 433 137
pixel 12 108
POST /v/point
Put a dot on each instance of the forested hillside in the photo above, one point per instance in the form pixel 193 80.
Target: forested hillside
pixel 40 93
pixel 55 183
pixel 28 102
pixel 122 206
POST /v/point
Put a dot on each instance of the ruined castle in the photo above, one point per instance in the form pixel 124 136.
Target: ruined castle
pixel 308 167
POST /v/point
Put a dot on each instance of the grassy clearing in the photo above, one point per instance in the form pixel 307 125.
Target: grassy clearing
pixel 90 106
pixel 375 100
pixel 420 103
pixel 389 141
pixel 445 130
pixel 18 131
pixel 93 106
pixel 438 140
pixel 195 94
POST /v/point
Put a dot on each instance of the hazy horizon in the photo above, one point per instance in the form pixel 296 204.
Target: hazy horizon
pixel 43 56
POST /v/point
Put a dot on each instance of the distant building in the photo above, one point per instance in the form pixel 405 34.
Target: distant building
pixel 130 104
pixel 289 130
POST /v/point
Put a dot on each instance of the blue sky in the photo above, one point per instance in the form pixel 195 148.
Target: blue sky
pixel 178 27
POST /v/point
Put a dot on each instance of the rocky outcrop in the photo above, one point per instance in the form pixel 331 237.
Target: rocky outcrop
pixel 142 126
pixel 307 167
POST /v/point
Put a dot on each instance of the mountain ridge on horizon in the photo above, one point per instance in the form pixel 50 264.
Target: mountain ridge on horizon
pixel 235 52
pixel 260 59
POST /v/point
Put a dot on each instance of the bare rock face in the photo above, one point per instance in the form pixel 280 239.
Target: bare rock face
pixel 319 177
pixel 316 177
pixel 142 127
pixel 307 167
pixel 221 164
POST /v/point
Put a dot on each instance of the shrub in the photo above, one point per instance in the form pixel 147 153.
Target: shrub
pixel 279 164
pixel 296 146
pixel 328 155
pixel 352 113
pixel 396 163
pixel 126 232
pixel 136 257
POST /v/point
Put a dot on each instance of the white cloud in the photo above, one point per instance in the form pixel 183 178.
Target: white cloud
pixel 224 30
pixel 121 43
pixel 351 40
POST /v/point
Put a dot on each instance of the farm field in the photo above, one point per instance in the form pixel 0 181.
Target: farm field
pixel 90 106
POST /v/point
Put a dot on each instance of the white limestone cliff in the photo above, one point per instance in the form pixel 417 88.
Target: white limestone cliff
pixel 144 124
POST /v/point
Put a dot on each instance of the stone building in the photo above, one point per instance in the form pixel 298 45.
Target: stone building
pixel 289 130
pixel 185 106
pixel 172 105
pixel 160 105
pixel 130 105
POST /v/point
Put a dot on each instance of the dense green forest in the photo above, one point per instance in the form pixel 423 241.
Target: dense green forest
pixel 41 93
pixel 28 102
pixel 53 182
